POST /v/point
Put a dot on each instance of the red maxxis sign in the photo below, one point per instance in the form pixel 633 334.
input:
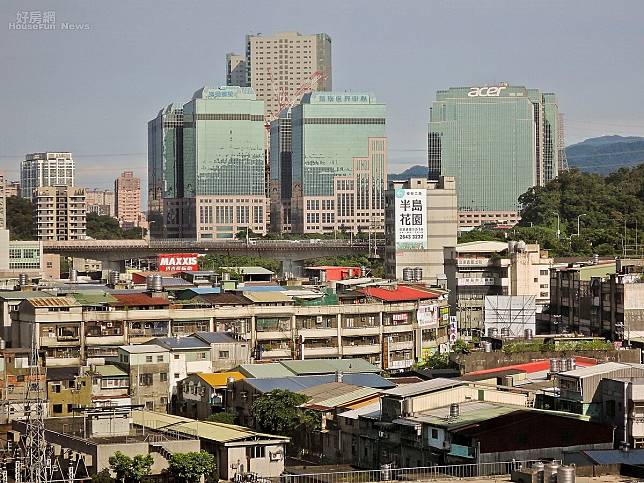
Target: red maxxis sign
pixel 178 262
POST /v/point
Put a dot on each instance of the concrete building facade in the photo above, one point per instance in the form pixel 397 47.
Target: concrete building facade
pixel 235 70
pixel 100 202
pixel 127 199
pixel 46 169
pixel 277 64
pixel 442 224
pixel 59 213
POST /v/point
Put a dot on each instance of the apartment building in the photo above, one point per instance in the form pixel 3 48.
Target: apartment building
pixel 148 367
pixel 59 213
pixel 202 394
pixel 391 326
pixel 127 199
pixel 17 382
pixel 100 202
pixel 46 169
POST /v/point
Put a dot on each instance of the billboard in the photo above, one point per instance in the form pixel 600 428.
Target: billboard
pixel 178 262
pixel 411 222
pixel 452 331
pixel 427 315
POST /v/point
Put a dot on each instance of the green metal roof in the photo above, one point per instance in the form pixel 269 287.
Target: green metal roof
pixel 334 394
pixel 273 369
pixel 21 295
pixel 218 432
pixel 469 413
pixel 93 298
pixel 109 370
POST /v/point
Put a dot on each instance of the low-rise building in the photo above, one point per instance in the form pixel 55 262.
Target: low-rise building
pixel 203 394
pixel 227 350
pixel 19 381
pixel 68 390
pixel 237 449
pixel 110 386
pixel 148 367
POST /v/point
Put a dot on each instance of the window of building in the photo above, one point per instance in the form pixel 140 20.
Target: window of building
pixel 145 379
pixel 148 358
pixel 256 452
pixel 543 285
pixel 543 272
pixel 159 358
pixel 163 376
pixel 536 279
pixel 70 408
pixel 176 375
pixel 176 357
pixel 434 433
pixel 58 408
pixel 224 354
pixel 149 405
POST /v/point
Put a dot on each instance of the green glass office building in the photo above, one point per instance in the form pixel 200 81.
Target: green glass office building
pixel 339 162
pixel 206 161
pixel 498 141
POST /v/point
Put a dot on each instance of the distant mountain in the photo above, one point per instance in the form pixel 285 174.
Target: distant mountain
pixel 606 154
pixel 417 171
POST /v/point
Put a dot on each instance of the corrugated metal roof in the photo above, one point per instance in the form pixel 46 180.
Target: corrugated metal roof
pixel 356 413
pixel 273 369
pixel 225 298
pixel 173 343
pixel 138 299
pixel 329 366
pixel 218 432
pixel 615 456
pixel 482 246
pixel 469 412
pixel 142 348
pixel 595 370
pixel 267 297
pixel 93 298
pixel 298 383
pixel 423 387
pixel 334 394
pixel 53 302
pixel 218 337
pixel 110 370
pixel 219 379
pixel 21 295
pixel 401 293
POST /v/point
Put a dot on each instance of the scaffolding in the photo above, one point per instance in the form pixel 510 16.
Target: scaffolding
pixel 510 315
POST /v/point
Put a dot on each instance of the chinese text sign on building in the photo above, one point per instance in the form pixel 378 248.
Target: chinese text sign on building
pixel 411 225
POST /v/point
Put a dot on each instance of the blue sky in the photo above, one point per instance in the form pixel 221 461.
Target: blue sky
pixel 92 91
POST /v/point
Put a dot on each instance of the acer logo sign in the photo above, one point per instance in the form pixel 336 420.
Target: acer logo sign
pixel 485 91
pixel 178 262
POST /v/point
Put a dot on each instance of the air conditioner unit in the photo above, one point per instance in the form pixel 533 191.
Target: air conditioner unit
pixel 318 319
pixel 110 324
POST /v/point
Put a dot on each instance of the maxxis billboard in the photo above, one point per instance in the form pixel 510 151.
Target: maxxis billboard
pixel 178 262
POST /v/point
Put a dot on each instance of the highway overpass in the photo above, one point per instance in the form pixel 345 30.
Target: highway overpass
pixel 113 253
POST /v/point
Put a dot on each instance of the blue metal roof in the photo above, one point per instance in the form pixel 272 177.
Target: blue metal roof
pixel 179 343
pixel 204 290
pixel 260 288
pixel 215 337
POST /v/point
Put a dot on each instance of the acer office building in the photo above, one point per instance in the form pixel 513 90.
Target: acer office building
pixel 497 141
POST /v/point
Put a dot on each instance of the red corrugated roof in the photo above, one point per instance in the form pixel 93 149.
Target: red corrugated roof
pixel 401 293
pixel 534 366
pixel 137 299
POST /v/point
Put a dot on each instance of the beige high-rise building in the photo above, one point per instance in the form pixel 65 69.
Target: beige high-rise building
pixel 420 221
pixel 127 199
pixel 100 202
pixel 235 70
pixel 59 213
pixel 3 204
pixel 277 65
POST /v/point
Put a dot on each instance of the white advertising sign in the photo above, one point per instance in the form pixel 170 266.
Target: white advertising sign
pixel 411 222
pixel 453 329
pixel 427 316
pixel 493 91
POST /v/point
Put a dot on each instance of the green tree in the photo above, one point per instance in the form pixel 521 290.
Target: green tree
pixel 103 476
pixel 226 417
pixel 103 227
pixel 437 360
pixel 215 262
pixel 19 219
pixel 189 467
pixel 278 412
pixel 130 470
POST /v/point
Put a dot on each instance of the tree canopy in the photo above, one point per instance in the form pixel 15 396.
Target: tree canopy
pixel 131 470
pixel 215 262
pixel 103 227
pixel 278 412
pixel 189 467
pixel 19 218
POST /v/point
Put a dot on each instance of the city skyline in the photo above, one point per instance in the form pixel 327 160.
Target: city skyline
pixel 129 80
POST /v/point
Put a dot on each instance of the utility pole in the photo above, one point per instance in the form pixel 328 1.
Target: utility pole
pixel 558 224
pixel 578 225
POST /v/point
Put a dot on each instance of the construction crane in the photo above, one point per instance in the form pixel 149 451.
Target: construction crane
pixel 284 102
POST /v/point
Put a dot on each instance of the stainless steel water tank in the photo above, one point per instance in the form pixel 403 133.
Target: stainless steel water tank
pixel 418 274
pixel 157 283
pixel 492 332
pixel 113 278
pixel 566 474
pixel 537 468
pixel 23 279
pixel 148 282
pixel 73 275
pixel 408 274
pixel 505 332
pixel 512 246
pixel 454 410
pixel 363 271
pixel 555 365
pixel 487 346
pixel 550 472
pixel 527 334
pixel 572 364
